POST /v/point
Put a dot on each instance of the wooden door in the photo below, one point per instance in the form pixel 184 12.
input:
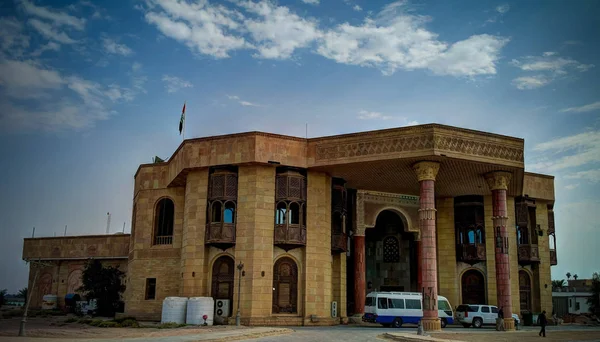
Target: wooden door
pixel 285 286
pixel 473 288
pixel 222 280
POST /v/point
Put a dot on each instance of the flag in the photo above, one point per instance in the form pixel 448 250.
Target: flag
pixel 182 119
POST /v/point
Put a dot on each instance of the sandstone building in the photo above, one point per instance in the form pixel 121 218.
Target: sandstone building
pixel 429 208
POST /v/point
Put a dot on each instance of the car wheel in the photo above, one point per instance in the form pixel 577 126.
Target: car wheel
pixel 444 323
pixel 477 322
pixel 466 325
pixel 397 322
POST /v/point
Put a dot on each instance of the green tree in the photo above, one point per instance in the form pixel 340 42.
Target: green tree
pixel 558 284
pixel 594 300
pixel 2 295
pixel 23 294
pixel 103 284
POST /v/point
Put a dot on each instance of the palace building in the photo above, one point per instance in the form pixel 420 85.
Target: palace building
pixel 305 228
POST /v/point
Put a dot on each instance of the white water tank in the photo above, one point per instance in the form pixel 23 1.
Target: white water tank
pixel 197 308
pixel 49 302
pixel 173 310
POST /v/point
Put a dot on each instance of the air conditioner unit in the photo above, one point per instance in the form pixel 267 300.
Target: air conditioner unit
pixel 334 309
pixel 222 308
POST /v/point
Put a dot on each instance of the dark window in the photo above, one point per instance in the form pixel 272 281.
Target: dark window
pixel 150 288
pixel 485 309
pixel 391 249
pixel 494 309
pixel 443 305
pixel 369 301
pixel 413 304
pixel 396 303
pixel 382 303
pixel 280 214
pixel 165 217
pixel 294 213
pixel 216 212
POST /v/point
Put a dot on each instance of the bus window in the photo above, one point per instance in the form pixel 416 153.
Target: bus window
pixel 395 303
pixel 382 303
pixel 443 305
pixel 369 301
pixel 413 304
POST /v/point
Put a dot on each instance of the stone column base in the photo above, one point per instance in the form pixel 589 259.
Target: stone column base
pixel 509 324
pixel 431 324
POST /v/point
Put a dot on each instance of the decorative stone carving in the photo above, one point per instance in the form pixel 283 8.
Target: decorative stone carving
pixel 426 170
pixel 498 180
pixel 370 203
pixel 419 142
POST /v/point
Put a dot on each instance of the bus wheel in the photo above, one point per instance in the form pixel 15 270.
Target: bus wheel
pixel 397 322
pixel 444 323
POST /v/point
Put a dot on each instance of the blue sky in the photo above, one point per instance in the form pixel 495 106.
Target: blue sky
pixel 88 91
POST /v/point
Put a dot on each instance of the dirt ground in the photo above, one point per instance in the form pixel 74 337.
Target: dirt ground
pixel 522 336
pixel 55 327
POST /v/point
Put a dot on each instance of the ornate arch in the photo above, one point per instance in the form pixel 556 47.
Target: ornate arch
pixel 74 281
pixel 473 271
pixel 369 204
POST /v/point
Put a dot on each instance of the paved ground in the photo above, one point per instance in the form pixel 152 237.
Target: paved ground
pixel 362 333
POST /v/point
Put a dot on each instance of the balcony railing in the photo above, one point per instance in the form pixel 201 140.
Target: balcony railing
pixel 553 259
pixel 289 236
pixel 529 254
pixel 470 253
pixel 220 235
pixel 339 242
pixel 163 240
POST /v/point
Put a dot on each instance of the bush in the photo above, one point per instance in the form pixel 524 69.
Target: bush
pixel 130 323
pixel 71 320
pixel 170 325
pixel 109 324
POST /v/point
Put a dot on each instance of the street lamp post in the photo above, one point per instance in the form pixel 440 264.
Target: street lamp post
pixel 240 266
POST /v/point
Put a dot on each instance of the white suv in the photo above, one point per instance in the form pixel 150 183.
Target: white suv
pixel 479 315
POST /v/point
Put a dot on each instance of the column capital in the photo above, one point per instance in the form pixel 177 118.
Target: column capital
pixel 426 170
pixel 498 180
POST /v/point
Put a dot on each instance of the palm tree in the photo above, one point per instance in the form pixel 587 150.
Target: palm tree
pixel 2 295
pixel 23 294
pixel 569 275
pixel 575 276
pixel 558 284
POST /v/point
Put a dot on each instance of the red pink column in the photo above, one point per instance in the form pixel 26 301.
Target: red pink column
pixel 498 184
pixel 426 173
pixel 360 271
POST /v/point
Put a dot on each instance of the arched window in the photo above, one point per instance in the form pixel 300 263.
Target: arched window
pixel 391 249
pixel 470 227
pixel 281 212
pixel 229 212
pixel 164 220
pixel 221 207
pixel 290 212
pixel 294 213
pixel 216 215
pixel 222 280
pixel 524 291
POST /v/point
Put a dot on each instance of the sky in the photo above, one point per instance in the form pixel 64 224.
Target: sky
pixel 90 90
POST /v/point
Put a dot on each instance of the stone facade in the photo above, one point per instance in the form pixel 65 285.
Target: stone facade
pixel 266 203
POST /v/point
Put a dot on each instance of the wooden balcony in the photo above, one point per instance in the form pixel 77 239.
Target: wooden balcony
pixel 470 253
pixel 553 259
pixel 220 235
pixel 163 240
pixel 339 242
pixel 529 254
pixel 289 236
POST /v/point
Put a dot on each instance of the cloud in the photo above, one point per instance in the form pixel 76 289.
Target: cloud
pixel 114 48
pixel 503 8
pixel 64 101
pixel 571 186
pixel 279 32
pixel 12 39
pixel 366 115
pixel 590 175
pixel 174 84
pixel 568 152
pixel 311 2
pixel 587 108
pixel 396 39
pixel 357 8
pixel 549 67
pixel 56 17
pixel 136 66
pixel 202 27
pixel 50 32
pixel 242 102
pixel 530 82
pixel 50 46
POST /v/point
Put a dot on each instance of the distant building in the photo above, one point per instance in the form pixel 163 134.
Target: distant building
pixel 14 301
pixel 319 222
pixel 572 299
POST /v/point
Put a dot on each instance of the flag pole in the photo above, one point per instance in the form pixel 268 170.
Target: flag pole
pixel 184 119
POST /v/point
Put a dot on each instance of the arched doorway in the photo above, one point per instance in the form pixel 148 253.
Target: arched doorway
pixel 74 281
pixel 285 286
pixel 390 254
pixel 222 280
pixel 473 288
pixel 524 291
